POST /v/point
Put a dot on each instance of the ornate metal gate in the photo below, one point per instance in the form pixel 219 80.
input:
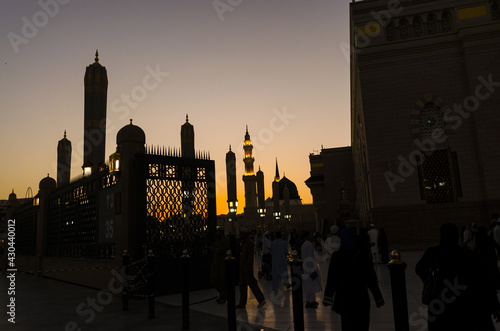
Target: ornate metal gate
pixel 177 208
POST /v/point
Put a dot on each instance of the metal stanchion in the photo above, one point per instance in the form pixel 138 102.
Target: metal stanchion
pixel 185 258
pixel 151 286
pixel 398 288
pixel 231 300
pixel 125 264
pixel 297 297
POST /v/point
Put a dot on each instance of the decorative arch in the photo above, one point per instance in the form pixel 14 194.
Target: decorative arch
pixel 404 29
pixel 418 27
pixel 432 27
pixel 428 115
pixel 446 22
pixel 495 11
pixel 390 32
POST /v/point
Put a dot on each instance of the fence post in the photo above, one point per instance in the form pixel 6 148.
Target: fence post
pixel 231 300
pixel 297 297
pixel 185 258
pixel 398 288
pixel 125 266
pixel 151 286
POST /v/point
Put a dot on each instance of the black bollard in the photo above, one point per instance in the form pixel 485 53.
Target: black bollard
pixel 125 264
pixel 297 297
pixel 151 286
pixel 231 299
pixel 398 288
pixel 185 258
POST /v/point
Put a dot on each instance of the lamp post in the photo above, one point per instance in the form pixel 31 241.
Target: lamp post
pixel 114 161
pixel 87 169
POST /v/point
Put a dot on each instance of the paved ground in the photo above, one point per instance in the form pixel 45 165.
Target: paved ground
pixel 46 304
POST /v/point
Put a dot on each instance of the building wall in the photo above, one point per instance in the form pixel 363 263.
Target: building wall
pixel 333 186
pixel 392 79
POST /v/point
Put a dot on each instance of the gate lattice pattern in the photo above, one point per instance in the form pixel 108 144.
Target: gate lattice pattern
pixel 179 205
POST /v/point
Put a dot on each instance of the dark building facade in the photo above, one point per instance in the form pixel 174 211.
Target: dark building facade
pixel 425 94
pixel 96 95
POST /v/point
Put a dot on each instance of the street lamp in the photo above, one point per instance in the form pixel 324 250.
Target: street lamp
pixel 87 169
pixel 114 161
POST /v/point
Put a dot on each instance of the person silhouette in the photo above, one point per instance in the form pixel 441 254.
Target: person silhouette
pixel 465 298
pixel 350 276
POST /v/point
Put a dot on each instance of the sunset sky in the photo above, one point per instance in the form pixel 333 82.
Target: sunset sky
pixel 277 66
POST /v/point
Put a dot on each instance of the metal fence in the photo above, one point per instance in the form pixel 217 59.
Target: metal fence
pixel 74 228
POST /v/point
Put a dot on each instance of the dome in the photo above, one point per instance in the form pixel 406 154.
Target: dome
pixel 47 183
pixel 292 188
pixel 131 133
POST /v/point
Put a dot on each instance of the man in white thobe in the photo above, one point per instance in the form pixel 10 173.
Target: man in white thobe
pixel 311 277
pixel 279 250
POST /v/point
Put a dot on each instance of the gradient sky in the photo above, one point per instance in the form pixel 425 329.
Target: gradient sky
pixel 248 62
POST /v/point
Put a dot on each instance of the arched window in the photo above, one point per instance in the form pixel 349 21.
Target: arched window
pixel 432 24
pixel 390 33
pixel 418 27
pixel 495 11
pixel 404 29
pixel 436 177
pixel 446 22
pixel 430 120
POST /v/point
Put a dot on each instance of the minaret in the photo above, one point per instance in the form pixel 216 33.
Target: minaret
pixel 276 194
pixel 96 94
pixel 286 204
pixel 250 180
pixel 260 190
pixel 63 161
pixel 187 139
pixel 232 201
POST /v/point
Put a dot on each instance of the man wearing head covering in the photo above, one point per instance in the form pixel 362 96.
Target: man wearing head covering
pixel 332 243
pixel 311 277
pixel 279 251
pixel 266 243
pixel 247 278
pixel 350 276
pixel 218 268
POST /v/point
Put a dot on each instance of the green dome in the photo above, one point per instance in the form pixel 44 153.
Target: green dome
pixel 292 188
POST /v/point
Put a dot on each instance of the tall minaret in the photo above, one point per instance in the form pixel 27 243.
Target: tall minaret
pixel 250 180
pixel 260 190
pixel 276 194
pixel 96 95
pixel 232 201
pixel 63 161
pixel 187 139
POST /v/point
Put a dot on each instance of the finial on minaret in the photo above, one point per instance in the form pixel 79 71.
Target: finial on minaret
pixel 247 129
pixel 187 118
pixel 277 175
pixel 96 56
pixel 130 121
pixel 229 147
pixel 64 133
